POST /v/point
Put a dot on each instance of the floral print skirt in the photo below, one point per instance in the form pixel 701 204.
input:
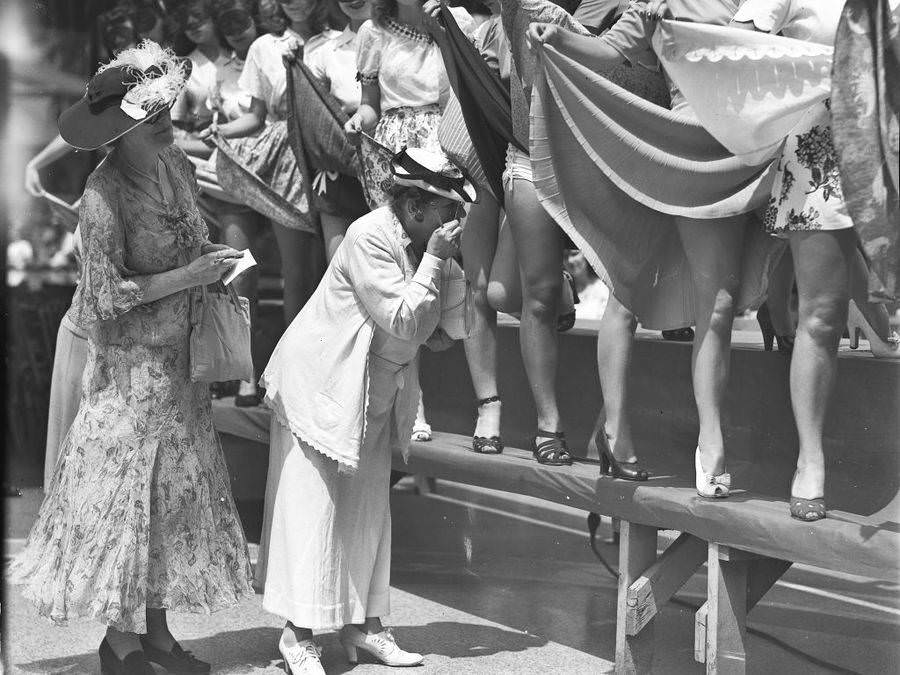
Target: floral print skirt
pixel 411 127
pixel 139 513
pixel 807 193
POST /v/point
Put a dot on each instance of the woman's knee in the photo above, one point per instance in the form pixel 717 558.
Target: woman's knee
pixel 822 318
pixel 542 295
pixel 498 298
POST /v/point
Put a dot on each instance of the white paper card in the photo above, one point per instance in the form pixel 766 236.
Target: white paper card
pixel 243 263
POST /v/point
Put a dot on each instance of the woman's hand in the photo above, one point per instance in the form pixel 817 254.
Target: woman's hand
pixel 33 181
pixel 362 120
pixel 432 10
pixel 210 267
pixel 208 135
pixel 656 9
pixel 541 34
pixel 444 241
pixel 439 340
pixel 290 48
pixel 210 247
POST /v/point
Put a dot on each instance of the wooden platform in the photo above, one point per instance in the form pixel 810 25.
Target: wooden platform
pixel 747 541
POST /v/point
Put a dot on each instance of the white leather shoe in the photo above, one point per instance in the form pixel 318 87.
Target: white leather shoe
pixel 303 658
pixel 381 645
pixel 709 486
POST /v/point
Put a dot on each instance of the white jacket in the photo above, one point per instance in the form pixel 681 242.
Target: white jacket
pixel 316 381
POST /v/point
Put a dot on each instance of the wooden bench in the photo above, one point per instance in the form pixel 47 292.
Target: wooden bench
pixel 748 541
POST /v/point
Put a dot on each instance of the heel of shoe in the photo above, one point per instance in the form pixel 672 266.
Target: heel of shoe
pixel 351 652
pixel 708 485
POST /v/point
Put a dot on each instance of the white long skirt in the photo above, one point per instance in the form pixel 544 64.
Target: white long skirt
pixel 328 553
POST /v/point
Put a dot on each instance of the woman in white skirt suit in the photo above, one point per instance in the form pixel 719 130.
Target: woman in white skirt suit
pixel 343 387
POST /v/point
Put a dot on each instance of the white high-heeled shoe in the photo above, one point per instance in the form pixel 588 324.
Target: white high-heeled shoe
pixel 381 645
pixel 303 658
pixel 709 486
pixel 858 324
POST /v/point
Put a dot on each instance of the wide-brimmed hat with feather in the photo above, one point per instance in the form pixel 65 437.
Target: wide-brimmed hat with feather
pixel 126 92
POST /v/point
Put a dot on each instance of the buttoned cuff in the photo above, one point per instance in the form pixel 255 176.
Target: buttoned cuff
pixel 429 272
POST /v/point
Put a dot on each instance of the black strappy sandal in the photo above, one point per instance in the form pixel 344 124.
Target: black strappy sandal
pixel 553 451
pixel 487 445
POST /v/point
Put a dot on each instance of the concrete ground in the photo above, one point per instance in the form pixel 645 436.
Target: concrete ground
pixel 489 583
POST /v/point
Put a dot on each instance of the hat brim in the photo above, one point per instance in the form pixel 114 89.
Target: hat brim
pixel 469 196
pixel 82 129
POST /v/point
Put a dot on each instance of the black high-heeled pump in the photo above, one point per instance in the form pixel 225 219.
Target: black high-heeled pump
pixel 613 467
pixel 177 660
pixel 764 319
pixel 135 663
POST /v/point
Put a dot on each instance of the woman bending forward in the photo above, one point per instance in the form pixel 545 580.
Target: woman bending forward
pixel 343 386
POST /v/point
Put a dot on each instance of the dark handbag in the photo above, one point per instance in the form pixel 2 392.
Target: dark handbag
pixel 220 336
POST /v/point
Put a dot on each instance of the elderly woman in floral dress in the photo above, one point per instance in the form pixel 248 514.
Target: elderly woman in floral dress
pixel 139 517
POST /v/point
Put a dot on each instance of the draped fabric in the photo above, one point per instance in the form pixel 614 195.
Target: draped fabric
pixel 865 126
pixel 483 101
pixel 614 170
pixel 748 89
pixel 316 123
pixel 375 160
pixel 234 168
pixel 457 144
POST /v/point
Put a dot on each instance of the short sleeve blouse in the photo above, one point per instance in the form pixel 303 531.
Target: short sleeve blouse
pixel 808 20
pixel 632 35
pixel 191 105
pixel 264 75
pixel 406 64
pixel 227 96
pixel 334 62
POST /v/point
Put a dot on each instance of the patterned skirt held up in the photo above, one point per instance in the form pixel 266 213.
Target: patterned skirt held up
pixel 807 193
pixel 411 127
pixel 139 513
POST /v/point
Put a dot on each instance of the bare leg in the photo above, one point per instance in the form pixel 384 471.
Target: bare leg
pixel 615 344
pixel 713 249
pixel 781 285
pixel 823 260
pixel 302 262
pixel 241 230
pixel 504 289
pixel 479 242
pixel 539 250
pixel 333 230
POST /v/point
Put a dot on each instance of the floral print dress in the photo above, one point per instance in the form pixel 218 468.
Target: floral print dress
pixel 807 193
pixel 139 513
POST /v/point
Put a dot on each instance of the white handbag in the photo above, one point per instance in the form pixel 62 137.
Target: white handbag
pixel 456 302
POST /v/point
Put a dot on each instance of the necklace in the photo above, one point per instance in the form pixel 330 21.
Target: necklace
pixel 408 31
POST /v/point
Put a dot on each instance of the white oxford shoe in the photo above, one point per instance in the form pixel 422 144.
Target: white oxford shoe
pixel 303 658
pixel 381 645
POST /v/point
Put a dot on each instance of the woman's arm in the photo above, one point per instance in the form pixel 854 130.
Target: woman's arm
pixel 192 144
pixel 367 115
pixel 207 269
pixel 54 150
pixel 245 125
pixel 595 53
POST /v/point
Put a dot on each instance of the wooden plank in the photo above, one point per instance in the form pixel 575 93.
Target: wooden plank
pixel 726 623
pixel 425 485
pixel 662 580
pixel 762 575
pixel 637 552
